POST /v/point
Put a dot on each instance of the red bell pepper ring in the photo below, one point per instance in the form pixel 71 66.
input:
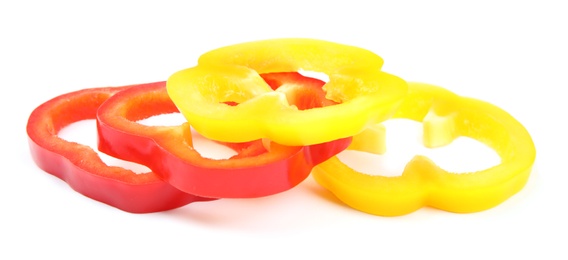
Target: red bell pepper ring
pixel 82 168
pixel 259 169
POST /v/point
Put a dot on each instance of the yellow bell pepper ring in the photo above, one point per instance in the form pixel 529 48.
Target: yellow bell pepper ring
pixel 230 75
pixel 444 116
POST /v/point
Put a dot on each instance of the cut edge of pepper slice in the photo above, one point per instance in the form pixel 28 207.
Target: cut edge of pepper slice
pixel 445 116
pixel 81 167
pixel 168 151
pixel 365 94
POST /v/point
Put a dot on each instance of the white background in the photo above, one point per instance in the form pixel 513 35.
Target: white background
pixel 510 53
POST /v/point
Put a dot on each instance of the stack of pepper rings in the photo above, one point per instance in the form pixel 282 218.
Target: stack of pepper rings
pixel 283 126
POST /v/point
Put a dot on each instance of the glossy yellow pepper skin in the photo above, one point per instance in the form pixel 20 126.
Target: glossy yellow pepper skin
pixel 365 95
pixel 444 116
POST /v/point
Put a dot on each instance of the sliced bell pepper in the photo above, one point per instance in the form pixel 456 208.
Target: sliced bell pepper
pixel 445 116
pixel 260 168
pixel 364 94
pixel 302 92
pixel 81 167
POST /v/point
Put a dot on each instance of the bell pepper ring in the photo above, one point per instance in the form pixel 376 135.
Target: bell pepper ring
pixel 82 168
pixel 363 94
pixel 444 116
pixel 260 168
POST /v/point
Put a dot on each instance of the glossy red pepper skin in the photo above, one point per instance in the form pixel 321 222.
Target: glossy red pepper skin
pixel 167 150
pixel 303 92
pixel 81 167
